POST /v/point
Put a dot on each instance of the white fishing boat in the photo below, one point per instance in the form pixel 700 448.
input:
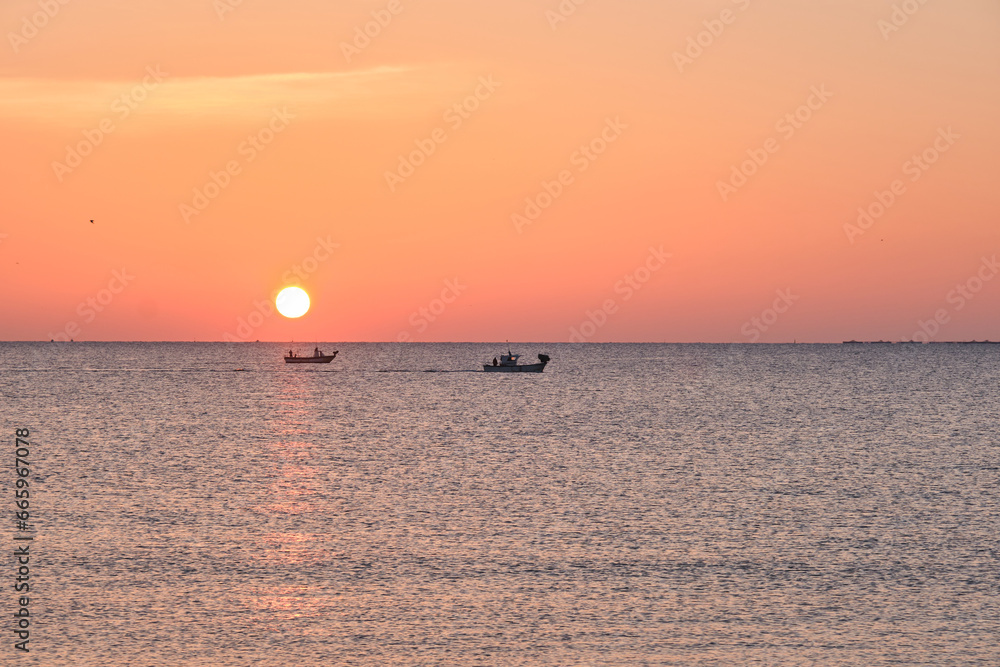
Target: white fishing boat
pixel 508 364
pixel 317 357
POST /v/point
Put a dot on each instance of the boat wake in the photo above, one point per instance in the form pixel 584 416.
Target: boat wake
pixel 428 370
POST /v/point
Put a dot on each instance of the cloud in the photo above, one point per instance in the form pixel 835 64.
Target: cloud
pixel 58 100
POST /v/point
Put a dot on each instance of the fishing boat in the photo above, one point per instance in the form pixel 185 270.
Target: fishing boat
pixel 317 357
pixel 508 364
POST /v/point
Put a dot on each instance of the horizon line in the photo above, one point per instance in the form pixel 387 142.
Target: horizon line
pixel 487 342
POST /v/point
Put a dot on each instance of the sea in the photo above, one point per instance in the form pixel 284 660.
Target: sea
pixel 206 504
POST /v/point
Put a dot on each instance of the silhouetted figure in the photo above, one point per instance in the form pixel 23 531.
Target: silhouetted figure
pixel 495 362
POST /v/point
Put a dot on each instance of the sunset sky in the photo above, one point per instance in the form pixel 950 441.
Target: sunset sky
pixel 697 166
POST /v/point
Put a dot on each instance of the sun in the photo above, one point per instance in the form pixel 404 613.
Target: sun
pixel 292 302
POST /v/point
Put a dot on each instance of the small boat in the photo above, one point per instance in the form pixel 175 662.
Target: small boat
pixel 508 364
pixel 317 357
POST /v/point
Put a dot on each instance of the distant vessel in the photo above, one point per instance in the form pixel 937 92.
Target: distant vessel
pixel 317 357
pixel 508 364
pixel 881 342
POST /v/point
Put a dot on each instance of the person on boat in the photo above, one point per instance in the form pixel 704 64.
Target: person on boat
pixel 316 352
pixel 290 354
pixel 495 362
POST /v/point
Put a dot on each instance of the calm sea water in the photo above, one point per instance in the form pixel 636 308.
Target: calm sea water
pixel 634 504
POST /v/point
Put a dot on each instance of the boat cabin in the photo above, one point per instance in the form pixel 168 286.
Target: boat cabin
pixel 509 359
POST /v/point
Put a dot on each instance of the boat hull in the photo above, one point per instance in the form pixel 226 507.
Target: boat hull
pixel 310 360
pixel 521 368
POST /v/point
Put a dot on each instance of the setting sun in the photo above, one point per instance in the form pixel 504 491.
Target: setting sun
pixel 292 302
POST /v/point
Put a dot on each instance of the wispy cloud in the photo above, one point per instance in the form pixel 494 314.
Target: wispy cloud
pixel 51 99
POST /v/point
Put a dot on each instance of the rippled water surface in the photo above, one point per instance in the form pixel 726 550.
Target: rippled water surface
pixel 634 504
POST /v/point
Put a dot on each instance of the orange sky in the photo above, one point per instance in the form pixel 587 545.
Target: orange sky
pixel 309 129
